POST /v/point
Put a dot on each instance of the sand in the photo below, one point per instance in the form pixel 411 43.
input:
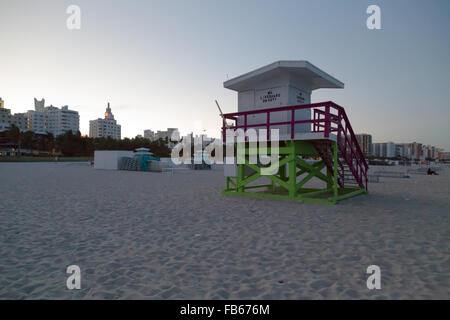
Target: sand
pixel 161 236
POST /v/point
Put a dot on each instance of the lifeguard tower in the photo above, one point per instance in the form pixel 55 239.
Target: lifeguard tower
pixel 278 96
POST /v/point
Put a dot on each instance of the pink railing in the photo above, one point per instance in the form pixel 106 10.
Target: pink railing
pixel 328 117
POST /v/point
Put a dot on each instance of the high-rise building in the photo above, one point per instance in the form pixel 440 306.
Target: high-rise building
pixel 7 119
pixel 149 134
pixel 443 156
pixel 384 149
pixel 37 122
pixel 416 150
pixel 433 152
pixel 62 120
pixel 365 142
pixel 437 152
pixel 20 120
pixel 161 135
pixel 171 134
pixel 428 152
pixel 390 149
pixel 376 149
pixel 5 116
pixel 43 120
pixel 401 150
pixel 106 127
pixel 39 105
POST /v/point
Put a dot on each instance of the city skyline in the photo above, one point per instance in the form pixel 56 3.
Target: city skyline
pixel 161 69
pixel 40 104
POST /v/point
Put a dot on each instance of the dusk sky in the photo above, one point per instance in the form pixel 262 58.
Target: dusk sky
pixel 163 63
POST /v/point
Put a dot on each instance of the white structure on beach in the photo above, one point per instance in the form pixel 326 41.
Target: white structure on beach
pixel 106 127
pixel 282 83
pixel 109 160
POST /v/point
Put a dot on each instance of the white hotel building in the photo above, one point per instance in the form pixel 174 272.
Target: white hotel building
pixel 41 120
pixel 62 120
pixel 107 127
pixel 52 119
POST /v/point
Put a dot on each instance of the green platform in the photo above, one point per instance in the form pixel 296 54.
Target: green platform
pixel 293 173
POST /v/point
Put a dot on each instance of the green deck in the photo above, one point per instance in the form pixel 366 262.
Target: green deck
pixel 292 175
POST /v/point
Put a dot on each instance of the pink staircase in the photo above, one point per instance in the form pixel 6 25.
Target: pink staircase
pixel 352 165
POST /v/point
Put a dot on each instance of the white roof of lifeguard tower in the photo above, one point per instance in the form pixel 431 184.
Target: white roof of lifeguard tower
pixel 301 69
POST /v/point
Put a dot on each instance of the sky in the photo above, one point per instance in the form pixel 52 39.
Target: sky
pixel 162 63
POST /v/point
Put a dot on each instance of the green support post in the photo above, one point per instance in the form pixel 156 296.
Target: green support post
pixel 283 172
pixel 330 179
pixel 292 177
pixel 240 177
pixel 335 169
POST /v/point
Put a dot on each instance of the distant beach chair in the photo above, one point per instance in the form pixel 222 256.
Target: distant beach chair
pixel 391 174
pixel 423 170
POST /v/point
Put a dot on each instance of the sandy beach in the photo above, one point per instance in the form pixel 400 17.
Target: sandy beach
pixel 138 235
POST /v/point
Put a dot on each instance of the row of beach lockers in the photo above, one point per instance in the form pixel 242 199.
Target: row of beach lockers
pixel 130 164
pixel 139 164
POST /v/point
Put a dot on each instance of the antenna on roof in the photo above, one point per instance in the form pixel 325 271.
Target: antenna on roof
pixel 220 110
pixel 221 114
